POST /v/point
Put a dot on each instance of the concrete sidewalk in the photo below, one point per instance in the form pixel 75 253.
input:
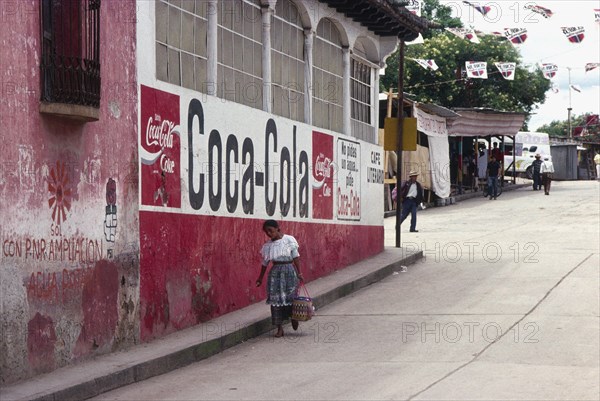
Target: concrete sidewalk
pixel 104 373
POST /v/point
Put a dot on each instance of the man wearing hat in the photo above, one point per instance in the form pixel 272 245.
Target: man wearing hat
pixel 537 175
pixel 411 194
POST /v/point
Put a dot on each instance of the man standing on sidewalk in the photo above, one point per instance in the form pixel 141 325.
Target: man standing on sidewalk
pixel 537 176
pixel 493 169
pixel 411 195
pixel 547 170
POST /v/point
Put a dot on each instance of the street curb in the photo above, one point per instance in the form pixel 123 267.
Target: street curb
pixel 178 356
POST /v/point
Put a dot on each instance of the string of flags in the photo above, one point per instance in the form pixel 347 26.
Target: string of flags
pixel 518 36
pixel 478 69
pixel 515 35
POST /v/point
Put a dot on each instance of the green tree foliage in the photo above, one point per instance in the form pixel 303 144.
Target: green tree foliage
pixel 447 87
pixel 561 127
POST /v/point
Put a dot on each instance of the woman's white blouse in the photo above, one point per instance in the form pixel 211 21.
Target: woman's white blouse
pixel 282 250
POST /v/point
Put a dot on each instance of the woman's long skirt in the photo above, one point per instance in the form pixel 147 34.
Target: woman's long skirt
pixel 282 288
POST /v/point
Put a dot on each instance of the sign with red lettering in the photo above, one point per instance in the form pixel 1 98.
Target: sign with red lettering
pixel 322 149
pixel 160 149
pixel 348 180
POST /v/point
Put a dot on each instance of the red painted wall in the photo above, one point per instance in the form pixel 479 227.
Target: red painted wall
pixel 69 269
pixel 194 268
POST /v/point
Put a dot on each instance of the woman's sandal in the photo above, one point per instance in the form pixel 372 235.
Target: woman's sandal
pixel 294 324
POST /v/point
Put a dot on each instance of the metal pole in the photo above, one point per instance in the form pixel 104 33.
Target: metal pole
pixel 399 139
pixel 570 133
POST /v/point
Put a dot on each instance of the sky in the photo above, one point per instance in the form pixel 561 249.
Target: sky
pixel 546 43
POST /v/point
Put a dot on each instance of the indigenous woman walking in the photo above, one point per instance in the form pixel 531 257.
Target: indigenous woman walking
pixel 284 277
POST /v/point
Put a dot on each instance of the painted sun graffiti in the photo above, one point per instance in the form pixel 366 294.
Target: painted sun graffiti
pixel 60 193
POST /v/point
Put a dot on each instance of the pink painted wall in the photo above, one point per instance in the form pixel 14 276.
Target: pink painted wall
pixel 209 265
pixel 68 277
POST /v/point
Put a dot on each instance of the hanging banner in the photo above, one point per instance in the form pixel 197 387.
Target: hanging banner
pixel 544 12
pixel 476 69
pixel 465 33
pixel 597 15
pixel 575 34
pixel 517 36
pixel 549 70
pixel 591 66
pixel 507 70
pixel 427 64
pixel 430 124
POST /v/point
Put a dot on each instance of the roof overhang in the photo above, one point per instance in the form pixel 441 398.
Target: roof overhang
pixel 485 122
pixel 382 17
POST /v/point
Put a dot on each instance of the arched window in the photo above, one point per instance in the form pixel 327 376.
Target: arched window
pixel 361 88
pixel 287 61
pixel 240 52
pixel 181 43
pixel 328 77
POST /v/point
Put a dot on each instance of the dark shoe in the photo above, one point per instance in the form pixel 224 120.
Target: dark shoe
pixel 414 231
pixel 294 324
pixel 547 193
pixel 495 197
pixel 490 198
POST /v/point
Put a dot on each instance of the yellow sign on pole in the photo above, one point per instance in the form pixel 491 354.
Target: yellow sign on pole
pixel 409 134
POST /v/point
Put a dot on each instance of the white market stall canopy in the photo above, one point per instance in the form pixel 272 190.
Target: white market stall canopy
pixel 485 122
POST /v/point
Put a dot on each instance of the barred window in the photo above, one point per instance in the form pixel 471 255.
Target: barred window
pixel 181 42
pixel 361 87
pixel 328 77
pixel 240 52
pixel 287 39
pixel 70 59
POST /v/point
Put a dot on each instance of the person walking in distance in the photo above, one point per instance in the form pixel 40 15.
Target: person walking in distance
pixel 597 161
pixel 547 169
pixel 537 177
pixel 411 195
pixel 493 169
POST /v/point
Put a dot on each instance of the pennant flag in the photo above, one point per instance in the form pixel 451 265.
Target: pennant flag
pixel 516 35
pixel 597 15
pixel 414 6
pixel 591 66
pixel 554 89
pixel 507 70
pixel 427 64
pixel 574 33
pixel 465 33
pixel 482 9
pixel 544 12
pixel 549 70
pixel 476 69
pixel 576 88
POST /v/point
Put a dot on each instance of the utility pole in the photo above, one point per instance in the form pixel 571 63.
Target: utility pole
pixel 399 139
pixel 570 133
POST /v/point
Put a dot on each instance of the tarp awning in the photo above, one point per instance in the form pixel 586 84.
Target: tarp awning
pixel 485 122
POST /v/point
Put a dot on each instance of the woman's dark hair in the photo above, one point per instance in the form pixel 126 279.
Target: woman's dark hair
pixel 270 223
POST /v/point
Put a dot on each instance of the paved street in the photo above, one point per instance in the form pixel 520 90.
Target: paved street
pixel 505 305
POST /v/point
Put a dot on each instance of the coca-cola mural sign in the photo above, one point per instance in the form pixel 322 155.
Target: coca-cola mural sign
pixel 322 149
pixel 203 156
pixel 160 151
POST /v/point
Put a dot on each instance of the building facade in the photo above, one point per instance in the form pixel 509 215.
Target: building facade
pixel 154 148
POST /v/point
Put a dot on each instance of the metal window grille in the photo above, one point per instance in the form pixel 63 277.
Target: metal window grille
pixel 70 62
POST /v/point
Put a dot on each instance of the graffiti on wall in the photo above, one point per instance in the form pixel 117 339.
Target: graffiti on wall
pixel 60 193
pixel 110 216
